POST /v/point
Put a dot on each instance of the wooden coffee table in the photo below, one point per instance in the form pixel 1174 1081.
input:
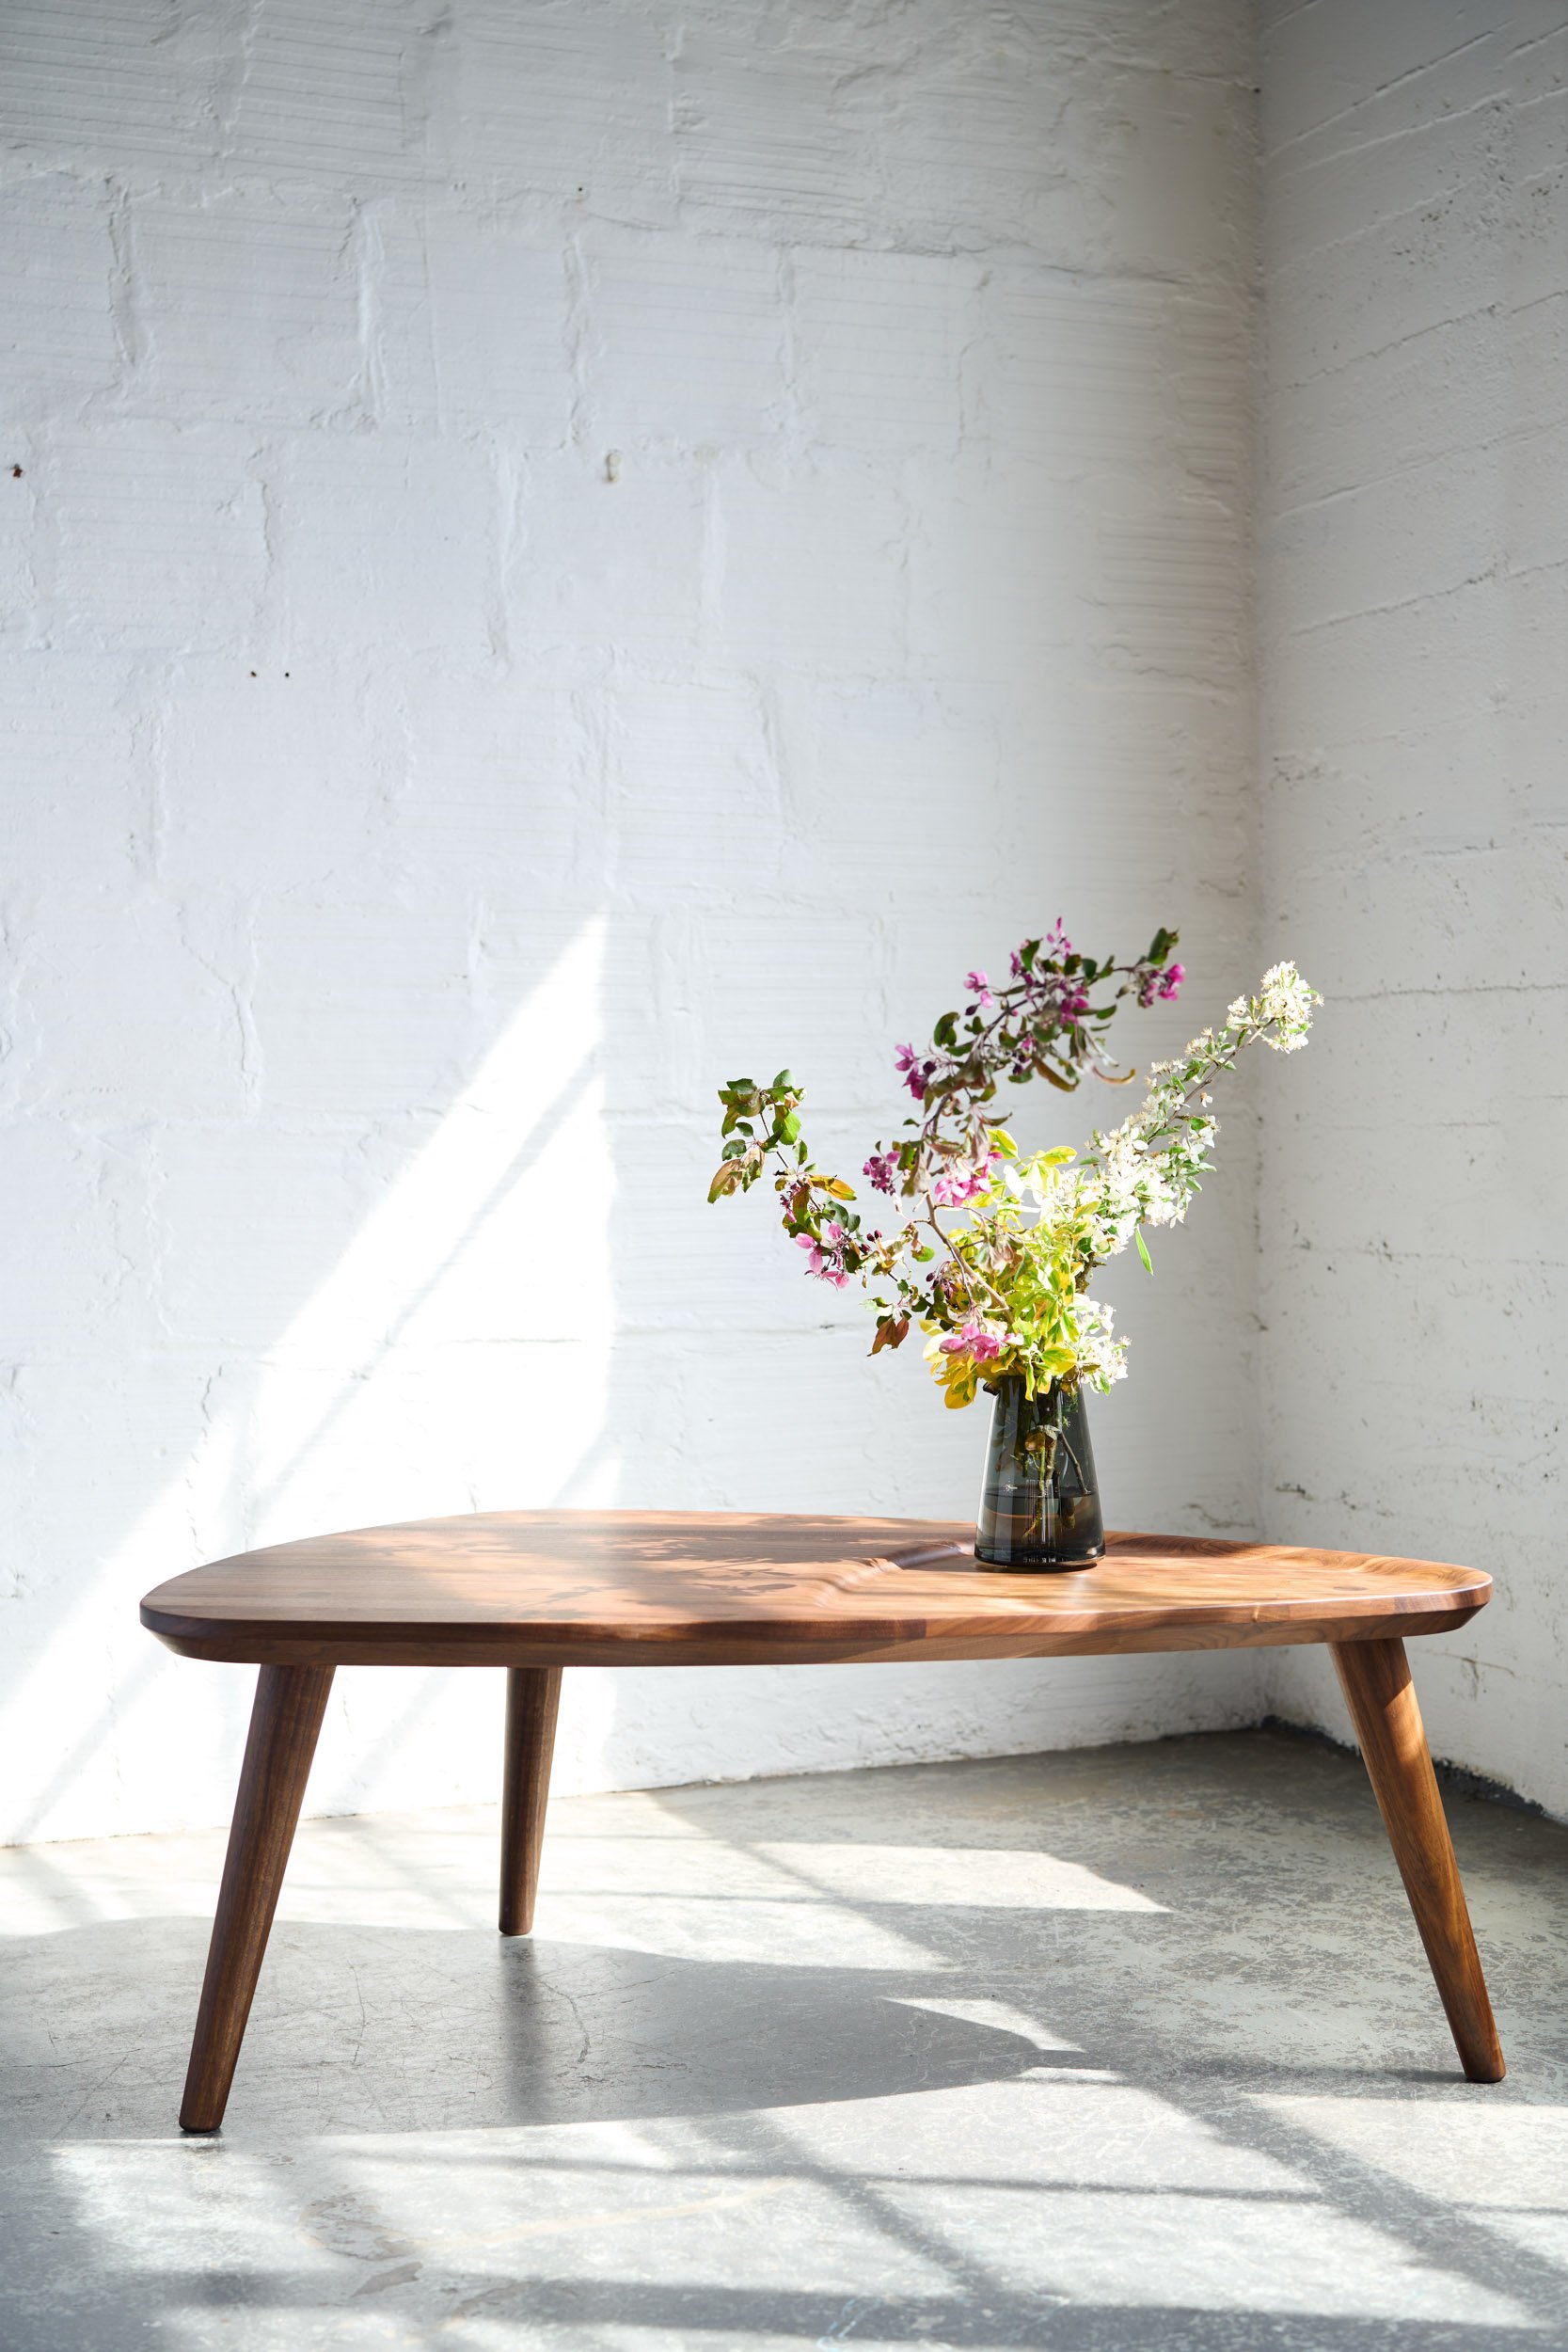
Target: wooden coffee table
pixel 536 1592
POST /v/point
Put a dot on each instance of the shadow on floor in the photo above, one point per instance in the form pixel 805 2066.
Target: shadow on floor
pixel 1188 2088
pixel 357 2028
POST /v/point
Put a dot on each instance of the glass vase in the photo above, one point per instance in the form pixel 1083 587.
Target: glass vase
pixel 1039 1506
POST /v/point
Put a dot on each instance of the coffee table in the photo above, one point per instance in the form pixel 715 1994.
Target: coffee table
pixel 537 1592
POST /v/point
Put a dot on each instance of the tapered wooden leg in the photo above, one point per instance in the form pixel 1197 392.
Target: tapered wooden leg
pixel 284 1723
pixel 1375 1677
pixel 532 1698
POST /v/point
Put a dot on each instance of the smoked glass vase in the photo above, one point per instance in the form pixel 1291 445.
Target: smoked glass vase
pixel 1039 1506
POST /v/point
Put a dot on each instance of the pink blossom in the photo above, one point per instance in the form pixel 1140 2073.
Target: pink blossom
pixel 882 1167
pixel 1056 946
pixel 979 988
pixel 956 1187
pixel 826 1263
pixel 1174 975
pixel 975 1340
pixel 914 1072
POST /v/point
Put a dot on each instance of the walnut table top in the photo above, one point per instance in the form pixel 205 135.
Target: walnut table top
pixel 604 1588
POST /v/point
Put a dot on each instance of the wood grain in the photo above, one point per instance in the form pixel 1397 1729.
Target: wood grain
pixel 669 1588
pixel 532 1700
pixel 284 1724
pixel 1375 1678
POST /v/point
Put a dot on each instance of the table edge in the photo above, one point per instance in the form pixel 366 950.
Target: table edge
pixel 1437 1596
pixel 1335 1618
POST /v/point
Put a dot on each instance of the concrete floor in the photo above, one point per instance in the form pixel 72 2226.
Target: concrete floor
pixel 1130 2049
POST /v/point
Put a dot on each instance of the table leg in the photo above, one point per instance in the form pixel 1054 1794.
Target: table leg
pixel 1375 1677
pixel 284 1723
pixel 532 1698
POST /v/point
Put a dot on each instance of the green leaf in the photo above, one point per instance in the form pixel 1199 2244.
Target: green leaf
pixel 1143 1248
pixel 788 1129
pixel 784 1083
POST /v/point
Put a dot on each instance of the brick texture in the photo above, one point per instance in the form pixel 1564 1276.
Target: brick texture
pixel 1414 562
pixel 562 553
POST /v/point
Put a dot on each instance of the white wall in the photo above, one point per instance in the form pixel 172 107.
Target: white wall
pixel 409 825
pixel 1415 827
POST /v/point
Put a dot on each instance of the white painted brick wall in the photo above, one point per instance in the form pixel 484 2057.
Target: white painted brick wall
pixel 1415 666
pixel 410 825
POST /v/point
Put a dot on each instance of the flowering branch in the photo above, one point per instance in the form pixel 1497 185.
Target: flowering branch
pixel 1042 1021
pixel 1041 1024
pixel 1043 1225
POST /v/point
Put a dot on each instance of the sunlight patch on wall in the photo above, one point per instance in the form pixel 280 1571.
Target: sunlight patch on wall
pixel 456 1357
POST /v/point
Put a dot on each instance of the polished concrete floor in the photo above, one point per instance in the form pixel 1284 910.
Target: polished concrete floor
pixel 1130 2048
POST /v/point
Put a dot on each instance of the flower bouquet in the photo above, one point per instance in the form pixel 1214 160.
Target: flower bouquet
pixel 1002 1292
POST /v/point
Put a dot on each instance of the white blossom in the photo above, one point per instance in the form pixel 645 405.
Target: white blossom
pixel 1043 1224
pixel 1287 1002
